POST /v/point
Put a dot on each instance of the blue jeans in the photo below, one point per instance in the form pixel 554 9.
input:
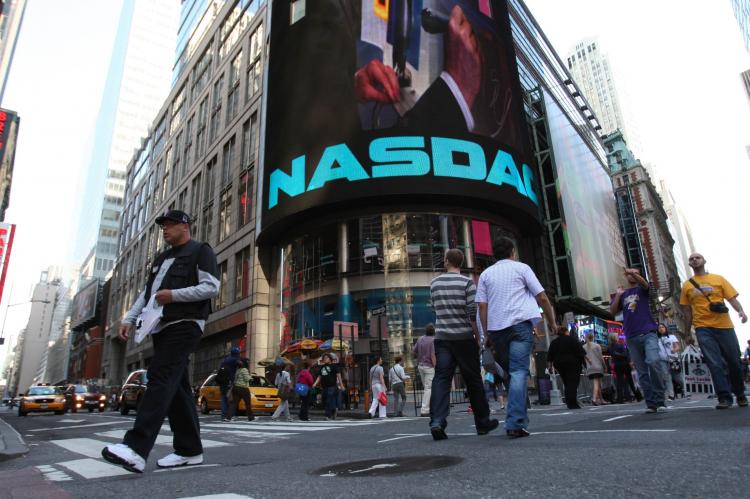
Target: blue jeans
pixel 720 348
pixel 224 391
pixel 465 354
pixel 331 399
pixel 644 352
pixel 513 347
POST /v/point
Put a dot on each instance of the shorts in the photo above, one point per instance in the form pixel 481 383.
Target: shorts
pixel 596 376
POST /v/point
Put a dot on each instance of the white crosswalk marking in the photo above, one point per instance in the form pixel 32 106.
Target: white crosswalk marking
pixel 162 439
pixel 93 468
pixel 85 446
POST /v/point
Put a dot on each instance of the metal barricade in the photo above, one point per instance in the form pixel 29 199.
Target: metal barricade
pixel 696 378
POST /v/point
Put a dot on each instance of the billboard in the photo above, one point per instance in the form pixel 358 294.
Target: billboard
pixel 591 226
pixel 84 304
pixel 401 103
pixel 7 232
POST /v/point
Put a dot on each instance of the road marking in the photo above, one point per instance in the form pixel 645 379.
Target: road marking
pixel 77 426
pixel 218 496
pixel 402 436
pixel 375 467
pixel 92 468
pixel 558 414
pixel 183 468
pixel 270 427
pixel 616 418
pixel 53 475
pixel 161 439
pixel 71 420
pixel 85 446
pixel 249 433
pixel 598 431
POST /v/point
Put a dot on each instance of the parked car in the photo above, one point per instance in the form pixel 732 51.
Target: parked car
pixel 42 398
pixel 132 391
pixel 263 396
pixel 80 397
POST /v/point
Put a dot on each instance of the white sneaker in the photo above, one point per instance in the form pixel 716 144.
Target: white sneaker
pixel 124 456
pixel 173 460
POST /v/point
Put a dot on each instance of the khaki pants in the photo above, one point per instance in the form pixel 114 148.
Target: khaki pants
pixel 426 373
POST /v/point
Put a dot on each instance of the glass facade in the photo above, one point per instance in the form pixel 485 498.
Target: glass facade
pixel 343 271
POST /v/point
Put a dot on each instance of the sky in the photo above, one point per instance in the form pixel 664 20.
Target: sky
pixel 678 61
pixel 55 85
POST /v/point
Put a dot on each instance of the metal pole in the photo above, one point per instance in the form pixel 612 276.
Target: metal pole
pixel 554 394
pixel 342 361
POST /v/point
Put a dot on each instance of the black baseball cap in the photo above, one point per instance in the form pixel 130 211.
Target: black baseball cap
pixel 175 216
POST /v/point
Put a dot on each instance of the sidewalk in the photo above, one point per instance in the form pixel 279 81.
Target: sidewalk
pixel 11 443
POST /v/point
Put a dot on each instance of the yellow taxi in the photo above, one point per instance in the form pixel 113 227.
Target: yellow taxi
pixel 263 396
pixel 42 398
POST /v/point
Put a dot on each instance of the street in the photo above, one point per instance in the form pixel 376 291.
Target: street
pixel 691 450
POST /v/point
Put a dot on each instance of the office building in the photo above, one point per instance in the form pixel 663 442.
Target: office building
pixel 137 81
pixel 742 14
pixel 11 19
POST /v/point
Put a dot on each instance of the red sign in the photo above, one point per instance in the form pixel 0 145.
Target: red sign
pixel 7 231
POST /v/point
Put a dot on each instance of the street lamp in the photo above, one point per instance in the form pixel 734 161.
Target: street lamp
pixel 5 317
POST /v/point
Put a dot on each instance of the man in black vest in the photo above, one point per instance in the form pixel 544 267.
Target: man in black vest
pixel 184 280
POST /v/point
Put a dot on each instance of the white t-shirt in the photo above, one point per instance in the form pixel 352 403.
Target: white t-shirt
pixel 665 347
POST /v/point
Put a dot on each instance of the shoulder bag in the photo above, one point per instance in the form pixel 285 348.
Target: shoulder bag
pixel 714 306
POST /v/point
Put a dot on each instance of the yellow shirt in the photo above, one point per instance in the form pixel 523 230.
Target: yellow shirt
pixel 718 289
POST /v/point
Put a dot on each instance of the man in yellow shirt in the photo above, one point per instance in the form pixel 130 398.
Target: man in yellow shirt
pixel 705 309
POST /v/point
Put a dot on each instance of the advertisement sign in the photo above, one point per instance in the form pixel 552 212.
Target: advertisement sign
pixel 400 103
pixel 8 131
pixel 7 232
pixel 84 304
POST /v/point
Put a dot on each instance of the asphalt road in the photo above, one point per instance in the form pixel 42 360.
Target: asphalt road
pixel 691 450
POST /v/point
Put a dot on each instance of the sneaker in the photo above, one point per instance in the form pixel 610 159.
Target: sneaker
pixel 485 429
pixel 723 404
pixel 174 460
pixel 661 408
pixel 369 415
pixel 651 410
pixel 438 433
pixel 742 400
pixel 251 418
pixel 518 433
pixel 226 420
pixel 124 456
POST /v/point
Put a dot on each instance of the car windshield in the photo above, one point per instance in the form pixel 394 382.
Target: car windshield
pixel 81 389
pixel 258 381
pixel 42 390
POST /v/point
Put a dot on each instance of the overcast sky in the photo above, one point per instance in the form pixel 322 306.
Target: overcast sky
pixel 678 61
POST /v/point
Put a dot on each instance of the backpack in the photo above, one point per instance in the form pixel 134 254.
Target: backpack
pixel 222 376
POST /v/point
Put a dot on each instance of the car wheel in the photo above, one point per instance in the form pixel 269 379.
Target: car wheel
pixel 124 409
pixel 204 407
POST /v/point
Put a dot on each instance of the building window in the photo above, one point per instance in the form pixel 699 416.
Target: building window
pixel 188 145
pixel 207 223
pixel 254 67
pixel 242 274
pixel 216 109
pixel 200 137
pixel 226 161
pixel 244 199
pixel 221 299
pixel 160 136
pixel 225 214
pixel 233 96
pixel 177 166
pixel 201 73
pixel 233 26
pixel 181 200
pixel 249 129
pixel 195 195
pixel 178 109
pixel 209 181
pixel 165 182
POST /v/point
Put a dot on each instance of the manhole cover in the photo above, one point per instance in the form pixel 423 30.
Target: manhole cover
pixel 388 466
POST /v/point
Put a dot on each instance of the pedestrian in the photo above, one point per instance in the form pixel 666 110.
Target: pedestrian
pixel 509 297
pixel 640 336
pixel 377 386
pixel 567 356
pixel 225 379
pixel 284 386
pixel 304 377
pixel 746 360
pixel 702 299
pixel 594 368
pixel 620 367
pixel 241 391
pixel 329 380
pixel 668 344
pixel 397 378
pixel 456 343
pixel 184 279
pixel 424 353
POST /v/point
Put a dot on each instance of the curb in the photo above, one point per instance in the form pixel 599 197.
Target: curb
pixel 12 444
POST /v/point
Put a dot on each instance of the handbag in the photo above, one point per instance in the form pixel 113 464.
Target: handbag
pixel 714 306
pixel 301 389
pixel 383 398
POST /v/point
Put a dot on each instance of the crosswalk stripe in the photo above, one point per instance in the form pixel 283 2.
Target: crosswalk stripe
pixel 271 427
pixel 93 468
pixel 85 446
pixel 249 433
pixel 161 439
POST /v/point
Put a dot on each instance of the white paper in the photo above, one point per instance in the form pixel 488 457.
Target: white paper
pixel 147 321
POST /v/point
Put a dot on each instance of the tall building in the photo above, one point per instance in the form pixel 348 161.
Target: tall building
pixel 137 81
pixel 196 17
pixel 742 14
pixel 683 236
pixel 10 24
pixel 338 252
pixel 591 70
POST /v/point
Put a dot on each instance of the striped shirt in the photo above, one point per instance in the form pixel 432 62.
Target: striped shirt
pixel 509 289
pixel 453 303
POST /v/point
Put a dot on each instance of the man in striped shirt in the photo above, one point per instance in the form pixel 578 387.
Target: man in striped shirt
pixel 456 343
pixel 509 297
